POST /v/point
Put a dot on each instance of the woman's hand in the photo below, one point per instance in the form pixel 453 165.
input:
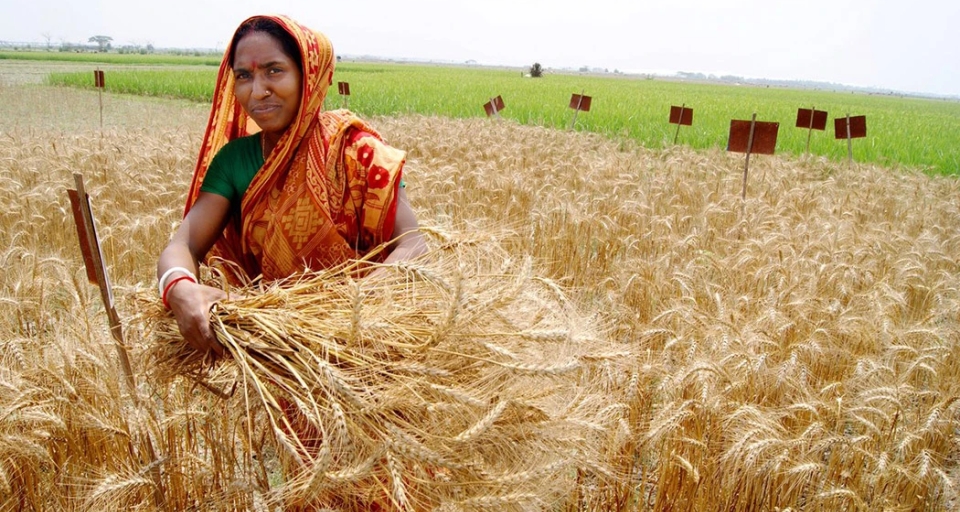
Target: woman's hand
pixel 191 303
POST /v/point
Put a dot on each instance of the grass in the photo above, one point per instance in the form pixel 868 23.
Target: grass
pixel 797 350
pixel 114 58
pixel 901 132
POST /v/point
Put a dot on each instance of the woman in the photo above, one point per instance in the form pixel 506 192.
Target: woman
pixel 311 189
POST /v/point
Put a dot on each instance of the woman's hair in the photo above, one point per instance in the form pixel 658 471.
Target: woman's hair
pixel 273 29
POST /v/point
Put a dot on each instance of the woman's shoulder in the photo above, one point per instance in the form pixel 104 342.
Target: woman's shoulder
pixel 241 144
pixel 242 151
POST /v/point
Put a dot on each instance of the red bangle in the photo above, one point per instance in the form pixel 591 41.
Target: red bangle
pixel 170 285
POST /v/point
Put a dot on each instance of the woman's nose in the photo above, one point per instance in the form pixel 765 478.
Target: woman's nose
pixel 261 88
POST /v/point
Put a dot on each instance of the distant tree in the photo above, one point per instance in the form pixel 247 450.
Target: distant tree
pixel 102 41
pixel 536 70
pixel 48 37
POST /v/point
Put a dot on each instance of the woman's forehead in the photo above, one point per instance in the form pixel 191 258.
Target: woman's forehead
pixel 259 49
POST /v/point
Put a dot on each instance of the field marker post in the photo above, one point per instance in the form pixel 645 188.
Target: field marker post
pixel 494 106
pixel 97 274
pixel 99 84
pixel 746 165
pixel 579 102
pixel 344 89
pixel 677 135
pixel 752 137
pixel 97 271
pixel 849 141
pixel 810 120
pixel 850 127
pixel 577 109
pixel 680 116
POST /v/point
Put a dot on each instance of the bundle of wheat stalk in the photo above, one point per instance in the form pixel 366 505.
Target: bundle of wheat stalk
pixel 460 380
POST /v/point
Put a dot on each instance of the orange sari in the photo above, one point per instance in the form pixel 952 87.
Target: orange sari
pixel 327 193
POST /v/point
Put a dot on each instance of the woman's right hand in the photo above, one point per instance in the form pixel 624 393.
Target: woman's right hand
pixel 191 303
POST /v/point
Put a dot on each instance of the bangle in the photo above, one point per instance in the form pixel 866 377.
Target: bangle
pixel 162 284
pixel 170 286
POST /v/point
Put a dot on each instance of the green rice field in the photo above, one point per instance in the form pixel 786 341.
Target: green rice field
pixel 902 132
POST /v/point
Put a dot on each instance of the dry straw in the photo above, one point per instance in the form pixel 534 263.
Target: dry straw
pixel 460 379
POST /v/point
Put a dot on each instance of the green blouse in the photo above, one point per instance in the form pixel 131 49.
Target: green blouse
pixel 233 168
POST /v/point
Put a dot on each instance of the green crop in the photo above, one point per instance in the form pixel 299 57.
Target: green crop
pixel 160 59
pixel 901 131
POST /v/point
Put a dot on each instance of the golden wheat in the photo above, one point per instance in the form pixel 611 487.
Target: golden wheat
pixel 321 354
pixel 797 350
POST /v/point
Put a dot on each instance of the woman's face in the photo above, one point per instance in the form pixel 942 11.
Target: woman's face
pixel 268 82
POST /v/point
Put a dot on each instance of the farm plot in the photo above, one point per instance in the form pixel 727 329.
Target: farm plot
pixel 903 132
pixel 795 350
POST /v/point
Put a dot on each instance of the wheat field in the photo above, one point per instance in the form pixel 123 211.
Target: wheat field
pixel 797 350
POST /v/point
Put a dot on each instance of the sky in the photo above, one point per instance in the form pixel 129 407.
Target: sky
pixel 901 45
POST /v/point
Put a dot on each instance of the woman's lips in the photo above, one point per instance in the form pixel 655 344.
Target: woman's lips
pixel 264 109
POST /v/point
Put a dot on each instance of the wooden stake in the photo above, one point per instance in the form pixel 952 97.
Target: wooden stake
pixel 746 165
pixel 577 110
pixel 93 257
pixel 813 111
pixel 849 142
pixel 679 122
pixel 100 94
pixel 493 106
pixel 97 272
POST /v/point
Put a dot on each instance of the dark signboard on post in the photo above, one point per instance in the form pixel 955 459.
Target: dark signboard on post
pixel 682 115
pixel 850 128
pixel 858 127
pixel 494 106
pixel 752 137
pixel 811 119
pixel 580 102
pixel 764 137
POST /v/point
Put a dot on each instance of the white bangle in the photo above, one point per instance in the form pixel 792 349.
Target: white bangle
pixel 166 275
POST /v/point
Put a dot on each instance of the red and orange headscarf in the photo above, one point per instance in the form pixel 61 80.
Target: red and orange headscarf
pixel 326 193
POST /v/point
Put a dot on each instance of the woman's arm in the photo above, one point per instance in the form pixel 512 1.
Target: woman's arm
pixel 191 302
pixel 412 243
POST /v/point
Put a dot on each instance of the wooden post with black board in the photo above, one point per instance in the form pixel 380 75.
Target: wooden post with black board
pixel 494 107
pixel 344 89
pixel 811 119
pixel 680 116
pixel 99 83
pixel 97 271
pixel 97 274
pixel 850 128
pixel 579 102
pixel 752 137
